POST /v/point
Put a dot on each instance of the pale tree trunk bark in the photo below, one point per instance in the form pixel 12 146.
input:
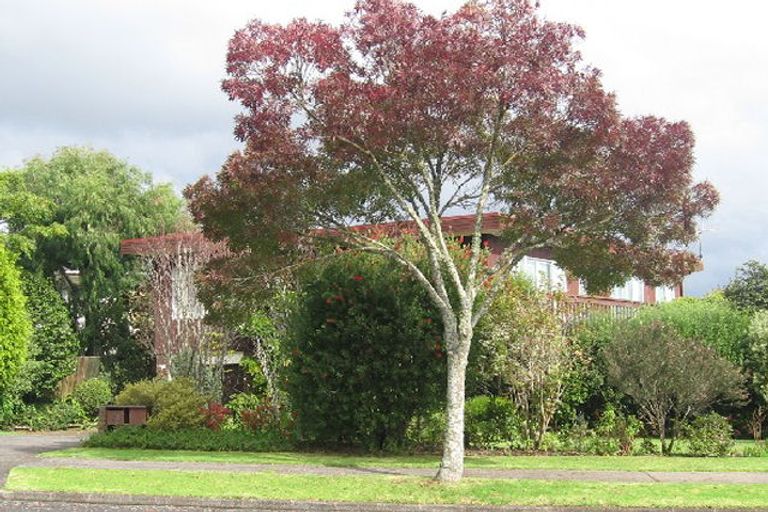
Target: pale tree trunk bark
pixel 452 464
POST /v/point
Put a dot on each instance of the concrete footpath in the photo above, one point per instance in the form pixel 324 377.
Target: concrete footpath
pixel 516 474
pixel 22 450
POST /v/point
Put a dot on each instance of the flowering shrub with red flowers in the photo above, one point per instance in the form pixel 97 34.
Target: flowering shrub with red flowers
pixel 366 354
pixel 214 415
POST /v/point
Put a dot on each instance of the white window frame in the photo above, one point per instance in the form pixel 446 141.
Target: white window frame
pixel 545 274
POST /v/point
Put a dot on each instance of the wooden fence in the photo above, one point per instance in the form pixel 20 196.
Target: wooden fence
pixel 88 367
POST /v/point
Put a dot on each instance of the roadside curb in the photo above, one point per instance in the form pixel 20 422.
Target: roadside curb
pixel 300 506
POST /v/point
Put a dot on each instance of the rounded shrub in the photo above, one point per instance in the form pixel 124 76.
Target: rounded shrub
pixel 172 405
pixel 710 435
pixel 15 326
pixel 366 354
pixel 92 394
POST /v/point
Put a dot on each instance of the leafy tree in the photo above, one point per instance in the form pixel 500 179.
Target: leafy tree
pixel 27 217
pixel 748 290
pixel 99 200
pixel 669 377
pixel 15 326
pixel 711 320
pixel 53 346
pixel 365 354
pixel 526 349
pixel 401 116
pixel 586 391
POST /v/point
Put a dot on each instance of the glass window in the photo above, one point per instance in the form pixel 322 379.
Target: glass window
pixel 665 294
pixel 633 289
pixel 545 274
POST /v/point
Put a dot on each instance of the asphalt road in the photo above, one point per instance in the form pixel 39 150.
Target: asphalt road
pixel 17 449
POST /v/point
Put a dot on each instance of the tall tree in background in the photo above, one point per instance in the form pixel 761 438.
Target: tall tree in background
pixel 93 200
pixel 397 115
pixel 748 290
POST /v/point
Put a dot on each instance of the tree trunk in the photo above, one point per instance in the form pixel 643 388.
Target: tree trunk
pixel 452 464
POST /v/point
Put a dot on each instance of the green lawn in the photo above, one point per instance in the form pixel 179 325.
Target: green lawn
pixel 383 489
pixel 634 463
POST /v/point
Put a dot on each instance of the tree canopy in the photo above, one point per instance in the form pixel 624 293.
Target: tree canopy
pixel 748 289
pixel 396 115
pixel 70 212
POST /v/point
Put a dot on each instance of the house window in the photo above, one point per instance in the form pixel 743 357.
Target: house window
pixel 184 303
pixel 633 289
pixel 665 294
pixel 545 274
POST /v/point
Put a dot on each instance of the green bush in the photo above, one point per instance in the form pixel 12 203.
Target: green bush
pixel 426 431
pixel 92 394
pixel 490 421
pixel 143 392
pixel 711 320
pixel 615 433
pixel 709 435
pixel 365 352
pixel 58 415
pixel 202 439
pixel 172 405
pixel 15 325
pixel 53 347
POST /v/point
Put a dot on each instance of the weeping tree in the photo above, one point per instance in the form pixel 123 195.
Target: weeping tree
pixel 69 213
pixel 400 116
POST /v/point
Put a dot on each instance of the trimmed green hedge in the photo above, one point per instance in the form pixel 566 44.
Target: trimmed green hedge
pixel 194 439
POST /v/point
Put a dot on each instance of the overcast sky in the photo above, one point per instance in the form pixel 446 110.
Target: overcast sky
pixel 140 78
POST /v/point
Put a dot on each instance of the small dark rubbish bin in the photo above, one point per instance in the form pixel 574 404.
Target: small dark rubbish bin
pixel 111 416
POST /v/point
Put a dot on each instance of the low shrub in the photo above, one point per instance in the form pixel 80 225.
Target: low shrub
pixel 215 415
pixel 58 415
pixel 759 449
pixel 92 394
pixel 201 439
pixel 143 392
pixel 709 435
pixel 426 432
pixel 173 405
pixel 615 433
pixel 243 402
pixel 490 421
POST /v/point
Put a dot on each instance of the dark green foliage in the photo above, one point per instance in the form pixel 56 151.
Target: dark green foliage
pixel 669 377
pixel 53 347
pixel 97 200
pixel 194 439
pixel 748 290
pixel 173 405
pixel 490 421
pixel 366 354
pixel 710 435
pixel 586 392
pixel 711 320
pixel 58 415
pixel 15 326
pixel 92 394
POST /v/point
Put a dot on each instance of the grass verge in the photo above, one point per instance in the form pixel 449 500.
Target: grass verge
pixel 383 489
pixel 566 462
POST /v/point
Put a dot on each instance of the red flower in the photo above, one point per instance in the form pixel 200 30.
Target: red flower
pixel 357 278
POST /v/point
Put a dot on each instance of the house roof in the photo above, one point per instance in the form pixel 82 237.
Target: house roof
pixel 493 223
pixel 164 244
